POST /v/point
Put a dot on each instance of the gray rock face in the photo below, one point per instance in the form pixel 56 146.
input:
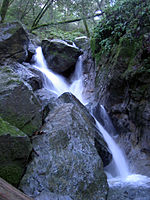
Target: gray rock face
pixel 89 74
pixel 28 74
pixel 13 42
pixel 65 160
pixel 18 104
pixel 129 192
pixel 51 196
pixel 122 86
pixel 15 148
pixel 100 144
pixel 60 56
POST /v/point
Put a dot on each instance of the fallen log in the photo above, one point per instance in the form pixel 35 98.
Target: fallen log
pixel 8 192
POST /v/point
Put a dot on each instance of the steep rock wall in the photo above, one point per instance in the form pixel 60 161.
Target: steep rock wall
pixel 123 79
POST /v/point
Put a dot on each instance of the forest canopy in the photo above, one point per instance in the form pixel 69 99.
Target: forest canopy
pixel 69 19
pixel 55 17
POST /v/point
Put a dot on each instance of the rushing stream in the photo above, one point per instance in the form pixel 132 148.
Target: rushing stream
pixel 58 85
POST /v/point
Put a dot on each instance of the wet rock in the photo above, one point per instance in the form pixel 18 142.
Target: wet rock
pixel 82 42
pixel 13 42
pixel 29 74
pixel 70 98
pixel 100 144
pixel 18 104
pixel 89 74
pixel 15 148
pixel 46 98
pixel 51 196
pixel 65 161
pixel 16 43
pixel 122 86
pixel 60 55
pixel 129 192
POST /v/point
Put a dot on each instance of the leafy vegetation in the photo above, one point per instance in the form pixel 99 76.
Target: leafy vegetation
pixel 127 20
pixel 54 33
pixel 51 17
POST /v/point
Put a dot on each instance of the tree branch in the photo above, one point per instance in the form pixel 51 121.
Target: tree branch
pixel 65 22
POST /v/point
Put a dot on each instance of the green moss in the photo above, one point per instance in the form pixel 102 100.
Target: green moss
pixel 13 81
pixel 6 128
pixel 125 48
pixel 6 69
pixel 22 127
pixel 30 128
pixel 12 174
pixel 135 65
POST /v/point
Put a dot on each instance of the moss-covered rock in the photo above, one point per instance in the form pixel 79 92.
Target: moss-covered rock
pixel 60 55
pixel 15 148
pixel 18 104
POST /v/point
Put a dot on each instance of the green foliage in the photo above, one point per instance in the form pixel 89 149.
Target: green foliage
pixel 54 33
pixel 127 19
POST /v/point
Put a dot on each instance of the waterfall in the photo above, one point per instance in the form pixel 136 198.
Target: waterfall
pixel 118 157
pixel 107 122
pixel 119 162
pixel 58 85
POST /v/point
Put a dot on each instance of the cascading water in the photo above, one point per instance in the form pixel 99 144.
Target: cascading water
pixel 119 163
pixel 107 122
pixel 118 157
pixel 58 85
pixel 122 175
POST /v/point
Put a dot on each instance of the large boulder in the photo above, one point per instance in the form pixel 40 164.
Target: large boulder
pixel 15 148
pixel 65 160
pixel 60 55
pixel 29 74
pixel 100 144
pixel 14 42
pixel 18 105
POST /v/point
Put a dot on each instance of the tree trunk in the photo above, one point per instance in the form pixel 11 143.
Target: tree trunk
pixel 4 9
pixel 8 192
pixel 84 19
pixel 86 27
pixel 41 13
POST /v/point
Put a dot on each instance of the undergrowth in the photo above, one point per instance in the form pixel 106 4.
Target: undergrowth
pixel 126 19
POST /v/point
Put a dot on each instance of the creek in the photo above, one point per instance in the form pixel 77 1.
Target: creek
pixel 118 173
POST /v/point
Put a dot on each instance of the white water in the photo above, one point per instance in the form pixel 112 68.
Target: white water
pixel 118 157
pixel 107 122
pixel 123 177
pixel 58 85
